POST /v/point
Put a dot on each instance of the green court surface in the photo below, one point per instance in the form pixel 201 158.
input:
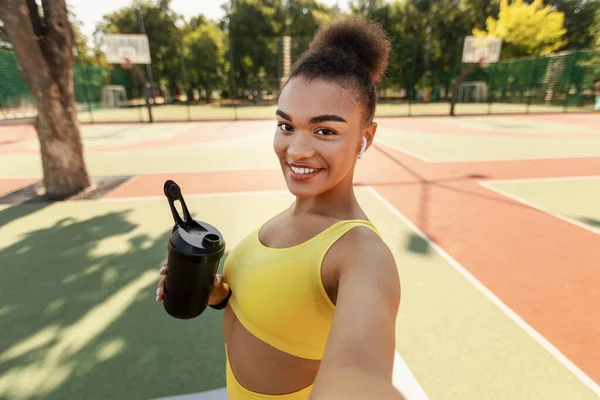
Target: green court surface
pixel 162 151
pixel 575 199
pixel 252 152
pixel 78 277
pixel 216 112
pixel 439 147
pixel 78 288
pixel 95 136
pixel 500 125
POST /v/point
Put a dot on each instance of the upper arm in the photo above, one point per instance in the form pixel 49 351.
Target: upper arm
pixel 362 333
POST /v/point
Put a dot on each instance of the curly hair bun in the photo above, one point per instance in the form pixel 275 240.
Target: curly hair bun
pixel 366 40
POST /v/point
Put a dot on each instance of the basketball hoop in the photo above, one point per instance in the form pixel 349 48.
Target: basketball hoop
pixel 484 63
pixel 481 50
pixel 126 63
pixel 119 47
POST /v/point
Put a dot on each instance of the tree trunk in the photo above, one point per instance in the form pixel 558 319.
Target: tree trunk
pixel 64 168
pixel 44 50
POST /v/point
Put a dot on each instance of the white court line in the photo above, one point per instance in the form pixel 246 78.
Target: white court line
pixel 547 179
pixel 574 369
pixel 488 186
pixel 402 379
pixel 216 394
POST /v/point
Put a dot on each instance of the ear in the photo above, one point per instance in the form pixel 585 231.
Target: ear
pixel 369 133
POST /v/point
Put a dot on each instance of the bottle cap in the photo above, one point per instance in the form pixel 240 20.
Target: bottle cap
pixel 195 240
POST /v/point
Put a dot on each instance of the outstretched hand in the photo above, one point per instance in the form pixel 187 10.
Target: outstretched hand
pixel 218 292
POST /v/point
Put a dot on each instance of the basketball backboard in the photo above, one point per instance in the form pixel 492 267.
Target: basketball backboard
pixel 134 47
pixel 484 49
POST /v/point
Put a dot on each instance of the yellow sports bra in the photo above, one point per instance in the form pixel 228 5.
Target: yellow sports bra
pixel 278 294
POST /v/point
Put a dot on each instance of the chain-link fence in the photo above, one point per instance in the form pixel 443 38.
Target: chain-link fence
pixel 243 82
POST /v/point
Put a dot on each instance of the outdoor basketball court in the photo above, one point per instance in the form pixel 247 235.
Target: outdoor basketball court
pixel 494 223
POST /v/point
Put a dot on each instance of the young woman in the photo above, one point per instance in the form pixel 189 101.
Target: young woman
pixel 311 297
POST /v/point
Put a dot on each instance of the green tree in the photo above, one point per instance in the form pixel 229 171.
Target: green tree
pixel 579 21
pixel 477 11
pixel 82 51
pixel 255 29
pixel 594 63
pixel 596 30
pixel 403 36
pixel 406 62
pixel 526 29
pixel 204 47
pixel 305 16
pixel 449 24
pixel 365 7
pixel 377 10
pixel 424 37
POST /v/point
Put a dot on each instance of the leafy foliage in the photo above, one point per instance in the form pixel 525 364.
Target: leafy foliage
pixel 526 29
pixel 204 49
pixel 579 21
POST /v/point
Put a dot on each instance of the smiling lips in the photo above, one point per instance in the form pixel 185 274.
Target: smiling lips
pixel 303 173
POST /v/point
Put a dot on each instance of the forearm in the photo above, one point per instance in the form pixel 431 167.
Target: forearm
pixel 353 383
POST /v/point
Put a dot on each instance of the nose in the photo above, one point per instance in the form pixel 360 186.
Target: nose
pixel 300 147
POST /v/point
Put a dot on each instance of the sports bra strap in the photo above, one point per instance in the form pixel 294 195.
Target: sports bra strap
pixel 340 228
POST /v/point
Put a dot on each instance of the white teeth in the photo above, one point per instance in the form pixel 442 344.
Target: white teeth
pixel 302 170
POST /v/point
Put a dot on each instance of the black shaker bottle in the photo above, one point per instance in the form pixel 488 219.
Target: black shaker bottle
pixel 195 249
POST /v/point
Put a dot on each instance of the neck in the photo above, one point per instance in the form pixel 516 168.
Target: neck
pixel 338 202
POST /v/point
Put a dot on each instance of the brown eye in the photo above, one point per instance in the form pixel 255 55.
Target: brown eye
pixel 325 132
pixel 285 127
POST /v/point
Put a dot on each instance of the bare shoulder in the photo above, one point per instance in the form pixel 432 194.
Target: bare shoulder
pixel 361 247
pixel 362 257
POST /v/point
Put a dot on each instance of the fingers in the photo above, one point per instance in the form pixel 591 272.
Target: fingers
pixel 219 291
pixel 218 280
pixel 160 287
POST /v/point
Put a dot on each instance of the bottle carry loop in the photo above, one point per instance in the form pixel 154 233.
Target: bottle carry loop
pixel 173 193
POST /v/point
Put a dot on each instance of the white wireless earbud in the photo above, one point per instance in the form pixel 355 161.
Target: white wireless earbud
pixel 363 148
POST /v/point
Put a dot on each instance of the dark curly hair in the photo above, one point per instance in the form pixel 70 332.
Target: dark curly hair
pixel 352 50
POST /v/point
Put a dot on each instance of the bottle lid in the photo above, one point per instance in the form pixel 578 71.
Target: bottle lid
pixel 196 240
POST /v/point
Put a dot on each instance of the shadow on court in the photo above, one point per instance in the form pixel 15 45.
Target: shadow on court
pixel 14 213
pixel 80 320
pixel 594 223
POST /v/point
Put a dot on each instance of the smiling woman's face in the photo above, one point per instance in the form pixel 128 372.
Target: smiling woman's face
pixel 318 136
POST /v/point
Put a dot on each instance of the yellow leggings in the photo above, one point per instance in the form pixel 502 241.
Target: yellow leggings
pixel 235 391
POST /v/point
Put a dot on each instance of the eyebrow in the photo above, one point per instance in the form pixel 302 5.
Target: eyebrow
pixel 283 115
pixel 315 120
